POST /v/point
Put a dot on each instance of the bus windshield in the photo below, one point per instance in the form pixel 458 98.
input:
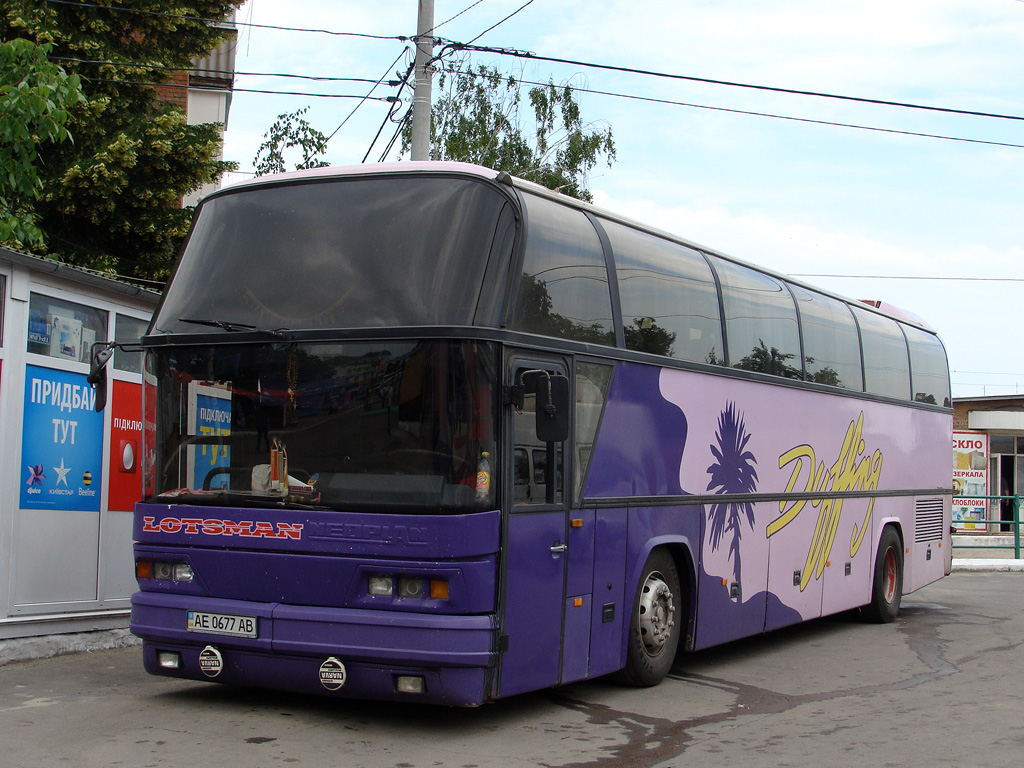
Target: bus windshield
pixel 350 252
pixel 367 425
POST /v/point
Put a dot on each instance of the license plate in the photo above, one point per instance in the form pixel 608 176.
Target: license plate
pixel 221 624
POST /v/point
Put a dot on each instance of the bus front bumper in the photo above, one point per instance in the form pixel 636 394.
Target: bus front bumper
pixel 351 653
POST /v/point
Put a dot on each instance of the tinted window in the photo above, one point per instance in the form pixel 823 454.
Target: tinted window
pixel 341 253
pixel 375 425
pixel 886 365
pixel 563 291
pixel 928 367
pixel 668 295
pixel 831 343
pixel 593 381
pixel 760 322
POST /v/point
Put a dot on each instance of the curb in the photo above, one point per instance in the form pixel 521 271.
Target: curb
pixel 982 565
pixel 48 646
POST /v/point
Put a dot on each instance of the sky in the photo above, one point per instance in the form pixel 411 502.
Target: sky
pixel 934 226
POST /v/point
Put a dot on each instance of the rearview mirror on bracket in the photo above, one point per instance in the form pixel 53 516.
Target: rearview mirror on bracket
pixel 552 409
pixel 99 355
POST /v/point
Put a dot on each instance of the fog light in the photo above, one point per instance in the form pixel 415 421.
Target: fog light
pixel 183 572
pixel 168 660
pixel 162 570
pixel 410 684
pixel 410 588
pixel 381 585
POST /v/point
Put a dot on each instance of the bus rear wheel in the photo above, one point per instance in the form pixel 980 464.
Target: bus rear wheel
pixel 655 622
pixel 887 588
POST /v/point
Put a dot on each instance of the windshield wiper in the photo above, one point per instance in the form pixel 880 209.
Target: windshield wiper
pixel 234 327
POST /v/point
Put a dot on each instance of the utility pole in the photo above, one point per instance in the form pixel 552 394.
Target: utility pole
pixel 421 94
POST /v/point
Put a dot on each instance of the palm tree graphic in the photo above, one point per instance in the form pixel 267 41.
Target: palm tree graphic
pixel 732 472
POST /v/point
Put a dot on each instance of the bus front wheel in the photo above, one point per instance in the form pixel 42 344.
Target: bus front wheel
pixel 887 588
pixel 655 622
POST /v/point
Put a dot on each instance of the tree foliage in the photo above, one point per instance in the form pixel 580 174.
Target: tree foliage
pixel 110 200
pixel 290 131
pixel 479 118
pixel 35 96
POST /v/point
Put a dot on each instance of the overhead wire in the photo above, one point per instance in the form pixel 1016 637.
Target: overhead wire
pixel 453 46
pixel 390 115
pixel 251 90
pixel 225 22
pixel 495 26
pixel 813 121
pixel 368 96
pixel 216 72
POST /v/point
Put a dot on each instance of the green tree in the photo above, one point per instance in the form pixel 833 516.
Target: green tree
pixel 478 118
pixel 35 95
pixel 290 131
pixel 111 200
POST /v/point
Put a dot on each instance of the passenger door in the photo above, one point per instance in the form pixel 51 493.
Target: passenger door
pixel 535 540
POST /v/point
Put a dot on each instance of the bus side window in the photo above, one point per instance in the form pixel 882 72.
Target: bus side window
pixel 886 360
pixel 760 322
pixel 928 368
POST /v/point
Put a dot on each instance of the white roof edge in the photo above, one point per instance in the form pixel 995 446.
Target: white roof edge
pixel 355 170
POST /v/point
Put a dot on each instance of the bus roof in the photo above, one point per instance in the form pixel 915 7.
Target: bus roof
pixel 502 177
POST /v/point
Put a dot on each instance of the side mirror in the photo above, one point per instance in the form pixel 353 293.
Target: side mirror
pixel 99 355
pixel 552 409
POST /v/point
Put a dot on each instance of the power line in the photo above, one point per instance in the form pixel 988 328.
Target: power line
pixel 495 26
pixel 452 45
pixel 812 121
pixel 449 45
pixel 254 90
pixel 401 83
pixel 466 10
pixel 218 72
pixel 120 9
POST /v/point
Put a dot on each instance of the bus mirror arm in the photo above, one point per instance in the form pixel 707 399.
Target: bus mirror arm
pixel 553 409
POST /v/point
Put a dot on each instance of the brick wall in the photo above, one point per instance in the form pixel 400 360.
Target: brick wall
pixel 175 91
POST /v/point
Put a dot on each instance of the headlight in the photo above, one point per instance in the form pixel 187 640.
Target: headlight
pixel 381 585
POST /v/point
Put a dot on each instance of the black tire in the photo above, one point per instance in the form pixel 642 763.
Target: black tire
pixel 887 587
pixel 655 623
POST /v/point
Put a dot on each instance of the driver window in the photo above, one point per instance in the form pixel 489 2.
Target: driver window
pixel 532 457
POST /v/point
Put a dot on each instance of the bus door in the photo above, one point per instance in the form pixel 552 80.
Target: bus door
pixel 535 548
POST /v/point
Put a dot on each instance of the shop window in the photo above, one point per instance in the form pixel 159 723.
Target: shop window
pixel 63 329
pixel 128 330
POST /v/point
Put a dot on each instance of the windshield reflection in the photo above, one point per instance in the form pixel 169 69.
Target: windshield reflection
pixel 342 426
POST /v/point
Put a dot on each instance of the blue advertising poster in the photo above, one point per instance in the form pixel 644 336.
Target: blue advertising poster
pixel 209 415
pixel 62 442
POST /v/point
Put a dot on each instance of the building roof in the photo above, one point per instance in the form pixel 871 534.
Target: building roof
pixel 78 275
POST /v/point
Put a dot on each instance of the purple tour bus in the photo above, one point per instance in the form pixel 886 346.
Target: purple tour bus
pixel 428 432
